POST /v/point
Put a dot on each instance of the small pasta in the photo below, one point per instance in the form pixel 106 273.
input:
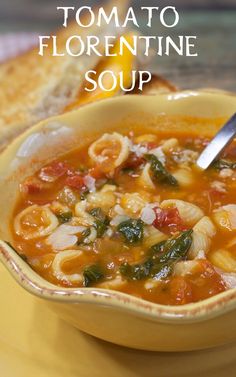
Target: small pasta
pixel 169 145
pixel 83 217
pixel 35 221
pixel 153 236
pixel 184 177
pixel 189 213
pixel 184 268
pixel 145 179
pixel 225 217
pixel 205 226
pixel 223 259
pixel 108 188
pixel 203 232
pixel 57 265
pixel 102 199
pixel 57 208
pixel 132 203
pixel 111 150
pixel 147 138
pixel 200 242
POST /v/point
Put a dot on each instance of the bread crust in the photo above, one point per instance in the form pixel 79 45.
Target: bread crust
pixel 35 87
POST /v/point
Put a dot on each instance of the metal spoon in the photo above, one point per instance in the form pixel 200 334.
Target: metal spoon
pixel 222 139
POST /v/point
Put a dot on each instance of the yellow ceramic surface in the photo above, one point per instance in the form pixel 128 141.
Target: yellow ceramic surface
pixel 110 315
pixel 35 342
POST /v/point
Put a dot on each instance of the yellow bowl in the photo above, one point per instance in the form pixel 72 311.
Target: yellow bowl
pixel 106 314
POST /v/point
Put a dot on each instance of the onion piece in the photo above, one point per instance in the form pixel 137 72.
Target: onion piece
pixel 89 182
pixel 64 237
pixel 148 215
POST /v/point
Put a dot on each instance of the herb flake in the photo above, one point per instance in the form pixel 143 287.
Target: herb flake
pixel 92 274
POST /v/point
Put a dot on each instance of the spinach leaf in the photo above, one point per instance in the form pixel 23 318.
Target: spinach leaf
pixel 101 221
pixel 174 250
pixel 92 274
pixel 159 171
pixel 161 259
pixel 223 164
pixel 64 217
pixel 136 271
pixel 131 230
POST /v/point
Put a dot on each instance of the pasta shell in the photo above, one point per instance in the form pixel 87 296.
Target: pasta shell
pixel 83 217
pixel 206 226
pixel 147 138
pixel 145 179
pixel 223 259
pixel 189 213
pixel 104 200
pixel 184 268
pixel 132 203
pixel 225 217
pixel 35 221
pixel 201 242
pixel 110 151
pixel 184 177
pixel 153 236
pixel 60 259
pixel 169 145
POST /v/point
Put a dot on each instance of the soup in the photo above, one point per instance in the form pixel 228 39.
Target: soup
pixel 131 212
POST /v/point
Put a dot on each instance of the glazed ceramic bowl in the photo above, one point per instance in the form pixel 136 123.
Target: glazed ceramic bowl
pixel 106 314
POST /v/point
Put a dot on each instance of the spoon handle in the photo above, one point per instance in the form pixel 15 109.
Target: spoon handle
pixel 222 139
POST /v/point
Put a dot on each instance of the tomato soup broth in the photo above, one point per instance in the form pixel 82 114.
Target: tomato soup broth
pixel 131 212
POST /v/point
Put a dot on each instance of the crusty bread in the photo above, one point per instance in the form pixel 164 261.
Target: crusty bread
pixel 34 88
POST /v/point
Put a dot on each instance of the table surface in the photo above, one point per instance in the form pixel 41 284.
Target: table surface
pixel 215 65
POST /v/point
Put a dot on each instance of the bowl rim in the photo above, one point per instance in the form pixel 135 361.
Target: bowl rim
pixel 194 312
pixel 188 313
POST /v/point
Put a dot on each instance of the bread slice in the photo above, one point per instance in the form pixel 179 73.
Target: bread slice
pixel 34 87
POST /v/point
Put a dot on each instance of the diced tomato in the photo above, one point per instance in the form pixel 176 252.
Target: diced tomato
pixel 54 171
pixel 206 282
pixel 180 290
pixel 168 220
pixel 76 182
pixel 216 194
pixel 151 145
pixel 97 173
pixel 32 186
pixel 133 161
